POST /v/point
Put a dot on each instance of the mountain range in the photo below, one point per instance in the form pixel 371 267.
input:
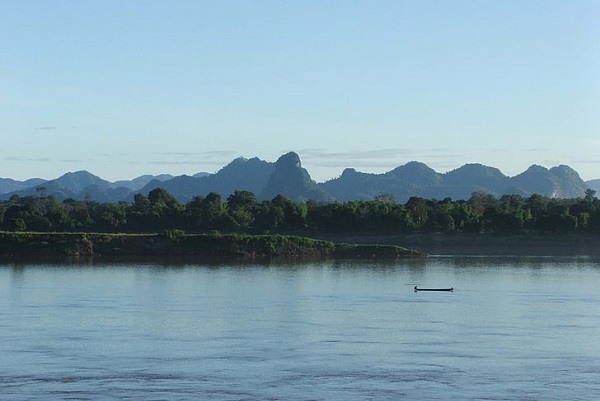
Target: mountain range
pixel 287 177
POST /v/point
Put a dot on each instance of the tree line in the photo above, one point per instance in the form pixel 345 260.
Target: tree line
pixel 240 212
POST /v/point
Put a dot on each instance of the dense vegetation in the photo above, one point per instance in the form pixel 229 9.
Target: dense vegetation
pixel 160 212
pixel 173 243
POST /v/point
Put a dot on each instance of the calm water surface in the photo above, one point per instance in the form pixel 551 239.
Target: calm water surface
pixel 514 328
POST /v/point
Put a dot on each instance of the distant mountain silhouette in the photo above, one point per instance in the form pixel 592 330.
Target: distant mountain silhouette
pixel 567 183
pixel 558 182
pixel 287 177
pixel 139 182
pixel 9 185
pixel 293 181
pixel 416 179
pixel 102 194
pixel 241 174
pixel 594 184
pixel 412 179
pixel 183 187
pixel 474 178
pixel 77 181
pixel 41 189
pixel 80 184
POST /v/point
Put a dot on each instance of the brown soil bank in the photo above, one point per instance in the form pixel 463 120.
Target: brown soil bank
pixel 487 244
pixel 177 244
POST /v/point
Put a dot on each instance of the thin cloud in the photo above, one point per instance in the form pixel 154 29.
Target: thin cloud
pixel 588 161
pixel 372 160
pixel 47 128
pixel 377 158
pixel 376 161
pixel 443 166
pixel 220 154
pixel 200 160
pixel 494 149
pixel 173 162
pixel 439 155
pixel 27 159
pixel 361 164
pixel 73 161
pixel 354 154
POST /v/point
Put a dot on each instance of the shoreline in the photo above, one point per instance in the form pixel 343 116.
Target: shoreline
pixel 174 245
pixel 233 247
pixel 485 244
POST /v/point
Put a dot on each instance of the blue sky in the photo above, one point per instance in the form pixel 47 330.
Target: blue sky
pixel 125 88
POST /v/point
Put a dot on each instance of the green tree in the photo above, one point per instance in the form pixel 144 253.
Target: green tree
pixel 385 198
pixel 109 217
pixel 417 207
pixel 59 217
pixel 589 195
pixel 241 205
pixel 165 212
pixel 214 214
pixel 244 200
pixel 141 204
pixel 18 225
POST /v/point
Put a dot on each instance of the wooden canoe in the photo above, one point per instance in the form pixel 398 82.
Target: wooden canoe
pixel 433 289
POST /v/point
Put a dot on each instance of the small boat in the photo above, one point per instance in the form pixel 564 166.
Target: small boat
pixel 450 289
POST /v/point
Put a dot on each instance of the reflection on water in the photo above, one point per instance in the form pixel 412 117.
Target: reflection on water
pixel 515 328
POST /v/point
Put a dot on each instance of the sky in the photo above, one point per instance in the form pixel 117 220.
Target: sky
pixel 123 88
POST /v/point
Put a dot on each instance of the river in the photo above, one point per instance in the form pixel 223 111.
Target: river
pixel 514 328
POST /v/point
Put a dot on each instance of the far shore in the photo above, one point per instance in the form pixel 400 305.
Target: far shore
pixel 178 244
pixel 171 246
pixel 484 244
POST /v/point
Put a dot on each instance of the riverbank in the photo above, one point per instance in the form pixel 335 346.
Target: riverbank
pixel 171 245
pixel 174 244
pixel 485 244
